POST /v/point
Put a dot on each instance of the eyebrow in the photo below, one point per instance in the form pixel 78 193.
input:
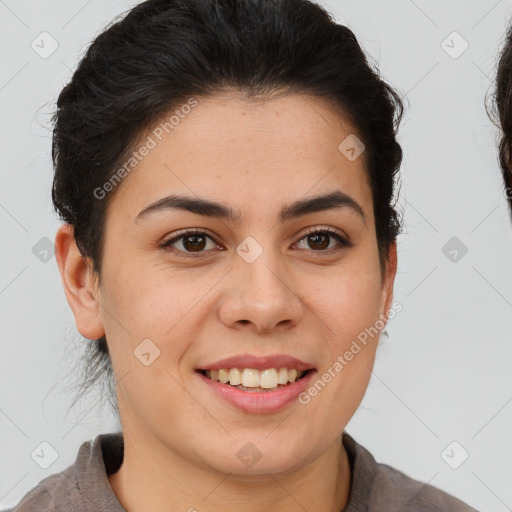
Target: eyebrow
pixel 207 208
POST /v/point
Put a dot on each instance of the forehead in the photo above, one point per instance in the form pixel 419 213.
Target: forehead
pixel 246 152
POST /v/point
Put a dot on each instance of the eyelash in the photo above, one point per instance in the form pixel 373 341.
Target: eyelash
pixel 331 232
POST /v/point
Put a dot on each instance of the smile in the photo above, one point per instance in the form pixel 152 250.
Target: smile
pixel 255 398
pixel 251 379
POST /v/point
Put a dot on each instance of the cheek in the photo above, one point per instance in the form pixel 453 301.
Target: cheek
pixel 351 313
pixel 352 317
pixel 155 313
pixel 150 301
pixel 350 301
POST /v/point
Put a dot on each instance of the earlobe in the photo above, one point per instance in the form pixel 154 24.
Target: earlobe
pixel 79 285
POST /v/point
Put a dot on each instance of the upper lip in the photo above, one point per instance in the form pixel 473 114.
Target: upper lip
pixel 259 362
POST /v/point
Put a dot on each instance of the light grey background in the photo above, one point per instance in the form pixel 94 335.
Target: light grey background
pixel 443 375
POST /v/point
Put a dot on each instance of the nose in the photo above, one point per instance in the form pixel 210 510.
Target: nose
pixel 262 296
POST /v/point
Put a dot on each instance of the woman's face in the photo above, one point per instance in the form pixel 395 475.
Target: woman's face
pixel 255 285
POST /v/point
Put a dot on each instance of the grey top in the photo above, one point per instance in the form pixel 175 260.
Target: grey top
pixel 84 486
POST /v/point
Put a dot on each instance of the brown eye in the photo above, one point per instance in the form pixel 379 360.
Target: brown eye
pixel 194 243
pixel 319 239
pixel 191 242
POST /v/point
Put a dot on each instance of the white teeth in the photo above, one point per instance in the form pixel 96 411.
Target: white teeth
pixel 250 378
pixel 282 377
pixel 270 378
pixel 235 376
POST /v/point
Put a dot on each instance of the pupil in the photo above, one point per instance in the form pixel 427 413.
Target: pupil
pixel 324 237
pixel 194 245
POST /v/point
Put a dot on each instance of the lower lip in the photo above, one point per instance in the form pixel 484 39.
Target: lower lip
pixel 259 401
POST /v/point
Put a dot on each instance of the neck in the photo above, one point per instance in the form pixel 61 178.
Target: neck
pixel 166 482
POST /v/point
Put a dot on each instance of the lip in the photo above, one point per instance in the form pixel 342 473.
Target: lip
pixel 259 362
pixel 259 402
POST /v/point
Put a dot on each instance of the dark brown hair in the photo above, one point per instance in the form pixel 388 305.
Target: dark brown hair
pixel 500 111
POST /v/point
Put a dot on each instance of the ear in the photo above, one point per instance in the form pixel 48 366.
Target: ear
pixel 79 284
pixel 389 280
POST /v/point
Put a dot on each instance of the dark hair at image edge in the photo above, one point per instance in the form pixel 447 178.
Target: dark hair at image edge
pixel 163 52
pixel 499 109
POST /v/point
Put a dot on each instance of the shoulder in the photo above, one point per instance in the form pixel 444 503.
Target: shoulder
pixel 395 488
pixel 83 486
pixel 376 486
pixel 41 497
